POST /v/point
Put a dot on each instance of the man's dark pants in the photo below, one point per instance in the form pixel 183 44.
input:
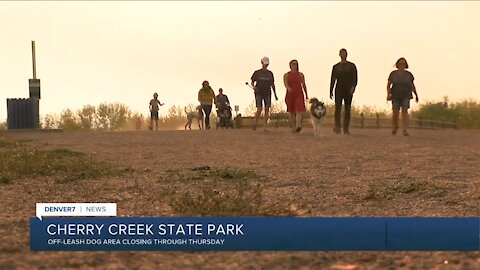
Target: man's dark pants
pixel 340 96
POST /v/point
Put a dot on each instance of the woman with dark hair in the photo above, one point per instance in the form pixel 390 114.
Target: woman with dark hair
pixel 294 81
pixel 399 90
pixel 206 97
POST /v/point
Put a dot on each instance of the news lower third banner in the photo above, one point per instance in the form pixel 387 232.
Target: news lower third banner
pixel 254 234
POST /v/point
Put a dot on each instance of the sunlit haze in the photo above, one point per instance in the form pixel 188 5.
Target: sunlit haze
pixel 92 52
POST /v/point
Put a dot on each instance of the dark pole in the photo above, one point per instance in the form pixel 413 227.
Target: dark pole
pixel 33 60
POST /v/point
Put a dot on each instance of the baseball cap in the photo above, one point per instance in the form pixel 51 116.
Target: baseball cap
pixel 265 61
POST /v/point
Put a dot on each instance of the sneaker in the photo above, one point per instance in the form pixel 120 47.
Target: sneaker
pixel 298 129
pixel 345 131
pixel 336 130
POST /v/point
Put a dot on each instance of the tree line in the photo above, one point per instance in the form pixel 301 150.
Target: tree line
pixel 117 116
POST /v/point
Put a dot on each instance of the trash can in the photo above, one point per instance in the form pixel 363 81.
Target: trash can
pixel 23 113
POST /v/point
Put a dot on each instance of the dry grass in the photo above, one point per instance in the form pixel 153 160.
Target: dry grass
pixel 209 195
pixel 18 161
pixel 390 191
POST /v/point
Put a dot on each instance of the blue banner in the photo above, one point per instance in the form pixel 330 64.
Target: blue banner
pixel 255 234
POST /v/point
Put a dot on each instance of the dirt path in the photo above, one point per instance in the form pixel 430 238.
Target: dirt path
pixel 369 173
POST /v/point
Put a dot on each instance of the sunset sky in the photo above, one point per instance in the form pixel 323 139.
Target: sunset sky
pixel 91 52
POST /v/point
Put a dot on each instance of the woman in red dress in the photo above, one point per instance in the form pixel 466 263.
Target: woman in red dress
pixel 295 83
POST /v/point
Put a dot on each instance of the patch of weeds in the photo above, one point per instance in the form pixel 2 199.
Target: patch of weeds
pixel 202 168
pixel 5 180
pixel 243 199
pixel 177 176
pixel 127 170
pixel 438 190
pixel 224 191
pixel 374 193
pixel 371 194
pixel 62 164
pixel 404 187
pixel 430 189
pixel 409 187
pixel 64 153
pixel 231 173
pixel 206 173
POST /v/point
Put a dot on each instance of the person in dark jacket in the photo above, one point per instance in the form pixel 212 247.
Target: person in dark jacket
pixel 344 80
pixel 221 100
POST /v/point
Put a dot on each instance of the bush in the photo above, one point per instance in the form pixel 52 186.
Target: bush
pixel 466 113
pixel 87 117
pixel 50 121
pixel 68 120
pixel 112 116
pixel 107 116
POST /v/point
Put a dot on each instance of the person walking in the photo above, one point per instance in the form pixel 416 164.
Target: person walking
pixel 263 83
pixel 153 106
pixel 344 79
pixel 400 87
pixel 206 97
pixel 221 100
pixel 294 81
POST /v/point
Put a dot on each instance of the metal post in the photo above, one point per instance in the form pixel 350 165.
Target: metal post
pixel 33 60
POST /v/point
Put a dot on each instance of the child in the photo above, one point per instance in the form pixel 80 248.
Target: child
pixel 154 111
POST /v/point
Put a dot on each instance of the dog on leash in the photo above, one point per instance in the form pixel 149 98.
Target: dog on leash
pixel 197 114
pixel 317 115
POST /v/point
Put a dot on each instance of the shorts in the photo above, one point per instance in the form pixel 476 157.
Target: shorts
pixel 266 98
pixel 154 115
pixel 403 103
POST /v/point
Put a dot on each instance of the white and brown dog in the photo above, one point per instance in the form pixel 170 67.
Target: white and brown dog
pixel 317 115
pixel 197 114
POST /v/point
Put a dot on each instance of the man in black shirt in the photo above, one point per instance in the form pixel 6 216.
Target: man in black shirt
pixel 344 74
pixel 263 83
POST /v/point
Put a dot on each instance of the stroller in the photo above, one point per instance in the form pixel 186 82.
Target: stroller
pixel 224 117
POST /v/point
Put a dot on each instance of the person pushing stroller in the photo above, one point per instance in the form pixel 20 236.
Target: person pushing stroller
pixel 221 100
pixel 224 111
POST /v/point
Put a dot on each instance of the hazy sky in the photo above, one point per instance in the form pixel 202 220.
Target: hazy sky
pixel 90 52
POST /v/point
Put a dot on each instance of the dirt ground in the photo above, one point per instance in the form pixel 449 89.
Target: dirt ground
pixel 369 173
